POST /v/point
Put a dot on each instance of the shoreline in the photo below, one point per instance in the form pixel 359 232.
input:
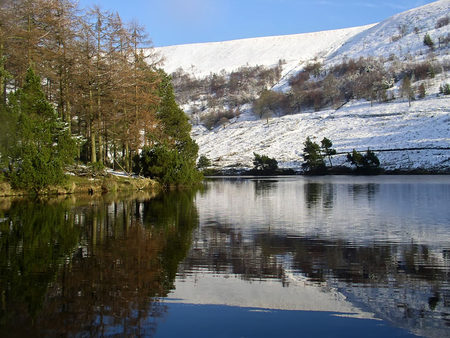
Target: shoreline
pixel 85 185
pixel 333 171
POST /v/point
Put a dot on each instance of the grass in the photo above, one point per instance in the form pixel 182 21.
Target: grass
pixel 88 185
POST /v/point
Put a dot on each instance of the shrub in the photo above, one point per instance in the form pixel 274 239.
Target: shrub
pixel 423 70
pixel 167 165
pixel 203 162
pixel 264 163
pixel 367 161
pixel 428 41
pixel 299 79
pixel 444 21
pixel 395 38
pixel 445 89
pixel 313 68
pixel 217 118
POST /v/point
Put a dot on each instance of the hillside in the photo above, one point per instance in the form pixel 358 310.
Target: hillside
pixel 380 120
pixel 205 58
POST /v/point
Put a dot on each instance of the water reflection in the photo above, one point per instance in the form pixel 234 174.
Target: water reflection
pixel 373 249
pixel 382 245
pixel 96 269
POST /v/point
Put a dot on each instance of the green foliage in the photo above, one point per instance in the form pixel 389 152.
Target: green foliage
pixel 445 89
pixel 372 159
pixel 428 41
pixel 203 162
pixel 171 159
pixel 314 162
pixel 264 163
pixel 41 146
pixel 367 161
pixel 326 145
pixel 97 168
pixel 167 165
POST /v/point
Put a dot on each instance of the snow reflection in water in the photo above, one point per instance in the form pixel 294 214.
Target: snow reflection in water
pixel 365 247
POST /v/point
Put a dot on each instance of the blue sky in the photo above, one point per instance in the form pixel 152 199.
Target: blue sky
pixel 171 22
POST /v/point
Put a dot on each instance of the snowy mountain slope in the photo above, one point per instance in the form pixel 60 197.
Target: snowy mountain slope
pixel 401 35
pixel 356 125
pixel 204 58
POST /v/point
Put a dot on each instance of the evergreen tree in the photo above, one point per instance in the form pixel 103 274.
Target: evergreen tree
pixel 428 41
pixel 42 145
pixel 264 163
pixel 175 123
pixel 326 145
pixel 314 162
pixel 172 157
pixel 203 162
pixel 165 164
pixel 368 162
pixel 356 159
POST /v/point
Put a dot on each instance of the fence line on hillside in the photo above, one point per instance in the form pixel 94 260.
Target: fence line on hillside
pixel 396 149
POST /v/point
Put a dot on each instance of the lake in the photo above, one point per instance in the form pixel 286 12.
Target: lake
pixel 332 256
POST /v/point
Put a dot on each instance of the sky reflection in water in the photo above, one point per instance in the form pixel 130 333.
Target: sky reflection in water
pixel 337 256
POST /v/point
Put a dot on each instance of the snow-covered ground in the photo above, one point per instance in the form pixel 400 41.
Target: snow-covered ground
pixel 201 59
pixel 357 124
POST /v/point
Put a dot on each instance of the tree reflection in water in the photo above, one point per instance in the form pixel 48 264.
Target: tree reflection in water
pixel 404 282
pixel 91 270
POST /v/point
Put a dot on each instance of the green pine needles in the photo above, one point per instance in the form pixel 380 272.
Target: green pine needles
pixel 171 159
pixel 38 145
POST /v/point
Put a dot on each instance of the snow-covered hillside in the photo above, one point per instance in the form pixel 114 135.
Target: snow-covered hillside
pixel 357 124
pixel 401 35
pixel 204 58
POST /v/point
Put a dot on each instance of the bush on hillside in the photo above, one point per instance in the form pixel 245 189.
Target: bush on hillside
pixel 428 41
pixel 444 21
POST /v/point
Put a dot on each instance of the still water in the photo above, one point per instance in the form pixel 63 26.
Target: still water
pixel 239 257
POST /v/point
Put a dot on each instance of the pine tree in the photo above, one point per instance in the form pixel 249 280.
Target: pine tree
pixel 369 161
pixel 264 163
pixel 175 123
pixel 43 146
pixel 314 162
pixel 171 156
pixel 428 41
pixel 326 145
pixel 203 162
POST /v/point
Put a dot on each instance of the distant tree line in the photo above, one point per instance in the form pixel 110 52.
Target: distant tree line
pixel 89 66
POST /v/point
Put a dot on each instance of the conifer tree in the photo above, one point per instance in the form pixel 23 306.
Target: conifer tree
pixel 264 163
pixel 314 162
pixel 171 156
pixel 428 41
pixel 326 145
pixel 42 144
